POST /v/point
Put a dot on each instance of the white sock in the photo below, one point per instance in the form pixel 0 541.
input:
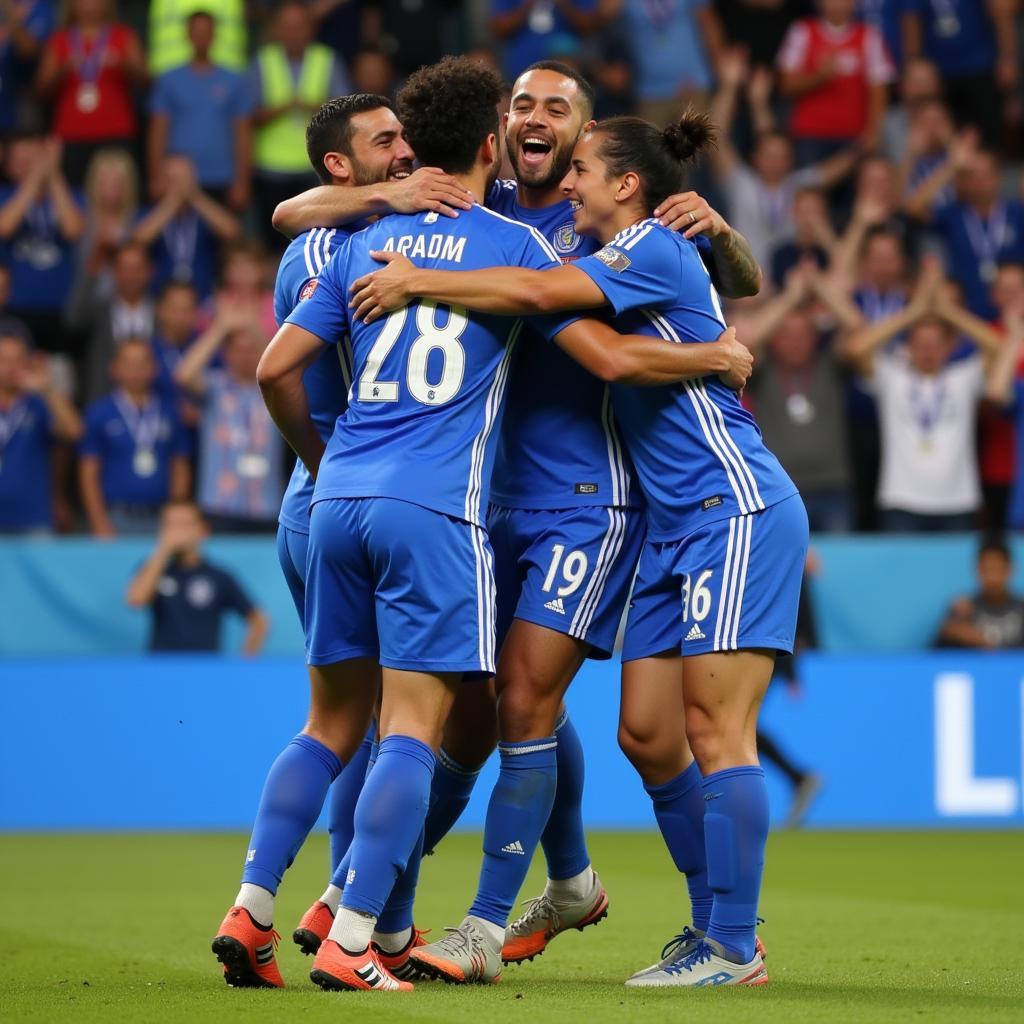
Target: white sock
pixel 392 942
pixel 569 890
pixel 352 929
pixel 332 897
pixel 494 932
pixel 258 901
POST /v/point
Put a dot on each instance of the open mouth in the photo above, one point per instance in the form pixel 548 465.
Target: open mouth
pixel 400 173
pixel 534 150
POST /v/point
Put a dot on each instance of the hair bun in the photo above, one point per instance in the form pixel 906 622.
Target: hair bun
pixel 690 135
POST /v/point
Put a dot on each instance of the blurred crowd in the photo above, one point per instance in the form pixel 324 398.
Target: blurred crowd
pixel 869 152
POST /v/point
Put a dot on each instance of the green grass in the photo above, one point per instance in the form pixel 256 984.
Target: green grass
pixel 860 927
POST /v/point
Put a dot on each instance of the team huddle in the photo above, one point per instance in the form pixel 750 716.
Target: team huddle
pixel 515 406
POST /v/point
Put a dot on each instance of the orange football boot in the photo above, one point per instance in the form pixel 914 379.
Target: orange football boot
pixel 314 927
pixel 338 970
pixel 400 964
pixel 247 951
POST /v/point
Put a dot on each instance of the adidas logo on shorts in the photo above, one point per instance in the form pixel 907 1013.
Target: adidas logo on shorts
pixel 556 606
pixel 694 634
pixel 514 847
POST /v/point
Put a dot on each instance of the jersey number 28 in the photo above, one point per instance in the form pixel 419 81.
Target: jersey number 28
pixel 429 336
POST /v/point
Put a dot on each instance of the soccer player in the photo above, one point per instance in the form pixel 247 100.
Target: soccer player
pixel 400 566
pixel 351 141
pixel 727 536
pixel 566 533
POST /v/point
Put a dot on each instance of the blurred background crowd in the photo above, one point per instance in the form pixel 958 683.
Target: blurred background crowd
pixel 870 152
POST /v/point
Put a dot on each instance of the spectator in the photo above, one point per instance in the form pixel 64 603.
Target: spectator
pixel 290 78
pixel 835 70
pixel 184 230
pixel 111 320
pixel 241 458
pixel 177 310
pixel 877 206
pixel 245 286
pixel 202 110
pixel 975 47
pixel 111 209
pixel 610 70
pixel 797 393
pixel 759 27
pixel 374 73
pixel 91 70
pixel 188 596
pixel 418 32
pixel 980 228
pixel 813 236
pixel 925 145
pixel 26 26
pixel 10 325
pixel 40 221
pixel 759 196
pixel 993 618
pixel 879 284
pixel 886 18
pixel 533 30
pixel 33 413
pixel 927 408
pixel 169 39
pixel 675 46
pixel 339 25
pixel 1006 388
pixel 920 84
pixel 134 456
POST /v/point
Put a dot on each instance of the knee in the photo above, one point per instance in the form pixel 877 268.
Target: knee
pixel 527 705
pixel 639 742
pixel 705 737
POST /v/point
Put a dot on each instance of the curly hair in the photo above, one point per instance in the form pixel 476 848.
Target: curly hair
pixel 448 109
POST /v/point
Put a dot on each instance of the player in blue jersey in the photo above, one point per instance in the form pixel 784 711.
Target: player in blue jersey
pixel 400 566
pixel 351 141
pixel 719 579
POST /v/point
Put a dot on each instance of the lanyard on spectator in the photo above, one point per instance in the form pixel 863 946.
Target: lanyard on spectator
pixel 986 239
pixel 927 412
pixel 796 385
pixel 180 236
pixel 144 426
pixel 880 305
pixel 88 67
pixel 10 424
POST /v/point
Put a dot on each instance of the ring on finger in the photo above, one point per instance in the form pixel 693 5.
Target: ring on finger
pixel 693 220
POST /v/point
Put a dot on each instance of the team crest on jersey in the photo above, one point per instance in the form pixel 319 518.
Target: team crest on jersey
pixel 613 258
pixel 308 288
pixel 566 239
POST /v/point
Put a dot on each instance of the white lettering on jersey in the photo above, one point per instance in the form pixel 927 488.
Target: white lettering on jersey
pixel 434 247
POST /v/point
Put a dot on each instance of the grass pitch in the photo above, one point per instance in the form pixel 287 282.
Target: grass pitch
pixel 860 927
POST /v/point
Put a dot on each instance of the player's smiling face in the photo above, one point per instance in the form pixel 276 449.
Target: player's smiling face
pixel 596 211
pixel 379 150
pixel 544 121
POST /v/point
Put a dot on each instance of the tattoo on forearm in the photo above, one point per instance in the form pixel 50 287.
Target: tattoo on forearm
pixel 735 267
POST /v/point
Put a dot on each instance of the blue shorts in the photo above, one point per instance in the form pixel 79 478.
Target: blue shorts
pixel 567 569
pixel 291 553
pixel 731 585
pixel 392 579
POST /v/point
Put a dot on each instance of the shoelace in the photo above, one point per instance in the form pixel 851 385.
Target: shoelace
pixel 686 936
pixel 462 939
pixel 540 908
pixel 700 955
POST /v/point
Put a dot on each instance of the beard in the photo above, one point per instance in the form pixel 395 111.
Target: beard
pixel 561 158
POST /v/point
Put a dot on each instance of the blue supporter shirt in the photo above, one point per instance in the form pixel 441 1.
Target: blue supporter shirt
pixel 26 502
pixel 40 258
pixel 38 19
pixel 886 17
pixel 957 34
pixel 201 108
pixel 429 380
pixel 116 439
pixel 186 251
pixel 559 446
pixel 972 243
pixel 546 34
pixel 328 379
pixel 668 51
pixel 698 453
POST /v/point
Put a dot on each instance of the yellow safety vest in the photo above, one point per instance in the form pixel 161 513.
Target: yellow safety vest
pixel 168 33
pixel 281 143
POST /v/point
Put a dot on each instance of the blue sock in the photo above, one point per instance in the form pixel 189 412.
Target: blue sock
pixel 397 913
pixel 679 808
pixel 344 794
pixel 449 793
pixel 292 799
pixel 389 819
pixel 516 816
pixel 565 845
pixel 736 831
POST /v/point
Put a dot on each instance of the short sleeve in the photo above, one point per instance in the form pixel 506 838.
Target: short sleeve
pixel 536 254
pixel 636 271
pixel 322 308
pixel 793 51
pixel 92 439
pixel 878 64
pixel 233 596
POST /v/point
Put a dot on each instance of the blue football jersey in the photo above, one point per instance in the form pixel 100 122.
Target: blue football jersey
pixel 698 453
pixel 429 380
pixel 328 379
pixel 559 445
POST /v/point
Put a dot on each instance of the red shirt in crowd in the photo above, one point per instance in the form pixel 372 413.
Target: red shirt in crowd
pixel 998 440
pixel 108 112
pixel 838 108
